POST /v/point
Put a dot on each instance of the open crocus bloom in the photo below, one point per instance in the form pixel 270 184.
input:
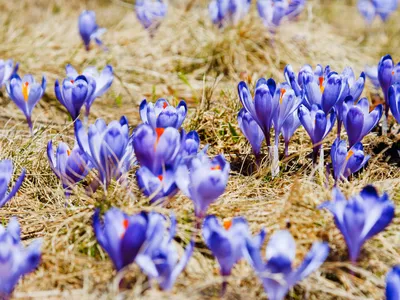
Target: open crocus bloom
pixel 278 274
pixel 394 101
pixel 6 70
pixel 100 81
pixel 162 114
pixel 361 217
pixel 393 284
pixel 123 236
pixel 69 166
pixel 150 13
pixel 159 258
pixel 345 162
pixel 6 172
pixel 15 259
pixel 228 12
pixel 226 241
pixel 156 149
pixel 74 93
pixel 26 93
pixel 203 182
pixel 88 28
pixel 108 147
pixel 358 120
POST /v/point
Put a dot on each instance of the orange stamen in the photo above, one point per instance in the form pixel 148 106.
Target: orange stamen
pixel 68 152
pixel 283 91
pixel 25 91
pixel 350 154
pixel 393 72
pixel 160 177
pixel 321 84
pixel 165 105
pixel 216 168
pixel 125 223
pixel 227 224
pixel 72 81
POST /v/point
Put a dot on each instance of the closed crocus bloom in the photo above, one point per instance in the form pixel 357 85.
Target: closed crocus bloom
pixel 317 124
pixel 367 9
pixel 159 259
pixel 88 28
pixel 6 172
pixel 74 93
pixel 277 274
pixel 156 149
pixel 15 260
pixel 203 182
pixel 361 217
pixel 264 105
pixel 162 114
pixel 26 93
pixel 384 8
pixel 150 13
pixel 289 127
pixel 288 103
pixel 101 81
pixel 6 70
pixel 358 120
pixel 70 166
pixel 108 147
pixel 121 236
pixel 191 144
pixel 393 284
pixel 228 12
pixel 324 92
pixel 251 131
pixel 394 101
pixel 226 241
pixel 291 79
pixel 272 12
pixel 385 77
pixel 295 8
pixel 372 73
pixel 345 162
pixel 158 188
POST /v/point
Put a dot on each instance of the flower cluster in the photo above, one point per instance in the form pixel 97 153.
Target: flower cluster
pixel 370 9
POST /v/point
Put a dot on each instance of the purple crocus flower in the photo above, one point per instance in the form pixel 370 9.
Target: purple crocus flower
pixel 251 131
pixel 317 124
pixel 122 236
pixel 277 274
pixel 226 242
pixel 393 284
pixel 191 144
pixel 369 9
pixel 156 149
pixel 372 74
pixel 101 82
pixel 264 106
pixel 228 12
pixel 6 171
pixel 74 93
pixel 361 217
pixel 160 260
pixel 6 71
pixel 26 93
pixel 394 101
pixel 15 260
pixel 345 162
pixel 162 114
pixel 288 128
pixel 295 8
pixel 203 182
pixel 69 166
pixel 358 120
pixel 272 12
pixel 157 187
pixel 108 147
pixel 88 28
pixel 150 13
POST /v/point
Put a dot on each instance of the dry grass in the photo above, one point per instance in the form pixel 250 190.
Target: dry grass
pixel 189 59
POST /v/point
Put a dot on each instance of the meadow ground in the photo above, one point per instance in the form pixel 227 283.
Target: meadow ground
pixel 190 59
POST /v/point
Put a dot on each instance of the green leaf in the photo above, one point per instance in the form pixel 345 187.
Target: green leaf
pixel 233 132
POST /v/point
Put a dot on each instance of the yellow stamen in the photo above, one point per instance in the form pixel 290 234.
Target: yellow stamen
pixel 283 91
pixel 216 168
pixel 321 84
pixel 350 154
pixel 25 91
pixel 68 152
